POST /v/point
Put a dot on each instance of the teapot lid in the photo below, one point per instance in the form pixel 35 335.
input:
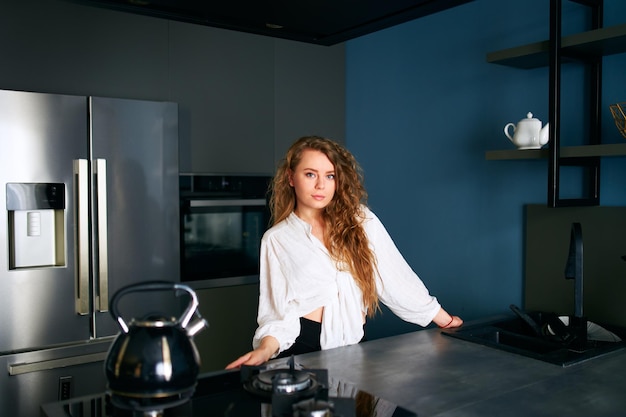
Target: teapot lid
pixel 529 118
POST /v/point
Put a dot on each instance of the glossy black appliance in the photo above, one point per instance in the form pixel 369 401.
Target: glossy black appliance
pixel 279 390
pixel 223 218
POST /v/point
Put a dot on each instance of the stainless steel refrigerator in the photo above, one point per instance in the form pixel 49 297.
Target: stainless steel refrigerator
pixel 89 204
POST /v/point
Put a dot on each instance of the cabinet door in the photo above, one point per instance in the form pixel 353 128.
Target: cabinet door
pixel 231 313
pixel 310 92
pixel 243 99
pixel 547 247
pixel 224 82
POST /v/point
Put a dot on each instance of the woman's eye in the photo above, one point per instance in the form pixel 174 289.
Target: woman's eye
pixel 310 174
pixel 331 176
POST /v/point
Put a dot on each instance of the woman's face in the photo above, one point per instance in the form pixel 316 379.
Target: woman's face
pixel 313 180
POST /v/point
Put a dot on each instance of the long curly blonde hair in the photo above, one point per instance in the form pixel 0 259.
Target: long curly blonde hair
pixel 345 236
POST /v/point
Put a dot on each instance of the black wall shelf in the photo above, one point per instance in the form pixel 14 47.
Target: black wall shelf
pixel 618 149
pixel 586 48
pixel 598 42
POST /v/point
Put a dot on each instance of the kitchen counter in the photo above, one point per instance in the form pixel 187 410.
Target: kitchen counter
pixel 436 375
pixel 432 374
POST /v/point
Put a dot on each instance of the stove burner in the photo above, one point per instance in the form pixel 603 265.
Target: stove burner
pixel 313 408
pixel 281 381
pixel 286 387
pixel 284 381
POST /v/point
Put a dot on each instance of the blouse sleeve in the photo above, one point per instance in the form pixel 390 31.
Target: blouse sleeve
pixel 399 287
pixel 275 315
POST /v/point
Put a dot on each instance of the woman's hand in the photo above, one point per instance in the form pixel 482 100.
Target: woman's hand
pixel 455 322
pixel 269 345
pixel 253 358
pixel 447 321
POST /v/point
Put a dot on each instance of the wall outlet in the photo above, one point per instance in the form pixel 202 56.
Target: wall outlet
pixel 65 388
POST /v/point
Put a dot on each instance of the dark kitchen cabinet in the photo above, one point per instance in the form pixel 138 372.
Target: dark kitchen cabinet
pixel 227 113
pixel 231 313
pixel 242 98
pixel 547 239
pixel 586 49
pixel 309 93
pixel 254 95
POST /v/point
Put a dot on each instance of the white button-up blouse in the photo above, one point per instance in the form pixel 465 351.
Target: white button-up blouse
pixel 297 276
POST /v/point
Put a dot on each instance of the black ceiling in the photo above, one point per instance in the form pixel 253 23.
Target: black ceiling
pixel 322 22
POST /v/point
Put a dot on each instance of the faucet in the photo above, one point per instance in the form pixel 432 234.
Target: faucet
pixel 574 270
pixel 574 266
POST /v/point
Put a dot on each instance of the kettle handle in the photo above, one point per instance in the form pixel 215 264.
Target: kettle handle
pixel 154 286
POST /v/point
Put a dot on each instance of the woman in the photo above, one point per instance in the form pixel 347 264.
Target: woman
pixel 328 261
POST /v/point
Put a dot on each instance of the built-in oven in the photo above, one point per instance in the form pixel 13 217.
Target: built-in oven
pixel 223 218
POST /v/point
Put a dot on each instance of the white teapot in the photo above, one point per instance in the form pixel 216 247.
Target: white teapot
pixel 528 134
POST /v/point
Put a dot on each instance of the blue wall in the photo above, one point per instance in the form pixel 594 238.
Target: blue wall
pixel 423 106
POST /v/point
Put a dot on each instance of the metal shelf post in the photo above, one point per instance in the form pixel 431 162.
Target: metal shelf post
pixel 591 165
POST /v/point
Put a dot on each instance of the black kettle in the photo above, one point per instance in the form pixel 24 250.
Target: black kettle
pixel 153 363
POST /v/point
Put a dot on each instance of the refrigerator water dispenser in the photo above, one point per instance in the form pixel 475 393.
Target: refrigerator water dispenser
pixel 36 224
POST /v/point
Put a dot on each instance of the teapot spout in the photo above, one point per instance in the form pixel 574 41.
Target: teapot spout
pixel 544 135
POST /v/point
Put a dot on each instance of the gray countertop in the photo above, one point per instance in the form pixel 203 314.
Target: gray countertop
pixel 437 375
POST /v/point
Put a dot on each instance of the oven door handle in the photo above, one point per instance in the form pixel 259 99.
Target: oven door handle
pixel 223 203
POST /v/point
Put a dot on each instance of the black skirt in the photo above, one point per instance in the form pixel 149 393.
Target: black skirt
pixel 307 341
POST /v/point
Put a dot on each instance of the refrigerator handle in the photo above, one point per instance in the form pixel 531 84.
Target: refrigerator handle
pixel 81 196
pixel 102 298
